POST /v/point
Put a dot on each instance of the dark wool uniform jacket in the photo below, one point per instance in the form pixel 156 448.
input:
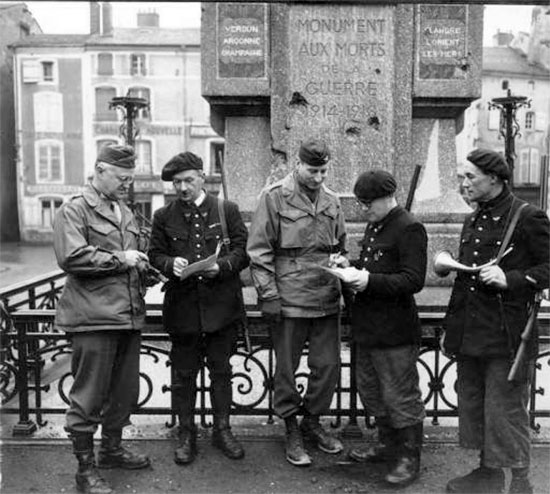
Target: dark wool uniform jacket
pixel 198 303
pixel 485 321
pixel 394 252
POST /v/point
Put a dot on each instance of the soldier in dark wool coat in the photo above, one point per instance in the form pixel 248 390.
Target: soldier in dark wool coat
pixel 487 313
pixel 385 325
pixel 201 312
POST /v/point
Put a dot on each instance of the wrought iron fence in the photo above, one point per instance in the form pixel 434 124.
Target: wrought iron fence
pixel 35 373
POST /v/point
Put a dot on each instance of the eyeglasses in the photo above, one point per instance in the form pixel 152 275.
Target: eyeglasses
pixel 366 204
pixel 124 179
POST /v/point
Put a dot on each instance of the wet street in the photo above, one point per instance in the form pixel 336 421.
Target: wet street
pixel 21 262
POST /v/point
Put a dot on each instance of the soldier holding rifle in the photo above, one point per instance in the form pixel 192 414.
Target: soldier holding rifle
pixel 487 315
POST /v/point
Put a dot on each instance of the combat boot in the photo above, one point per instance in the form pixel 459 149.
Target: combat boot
pixel 407 466
pixel 113 455
pixel 481 480
pixel 222 437
pixel 88 480
pixel 186 451
pixel 520 485
pixel 313 431
pixel 294 447
pixel 384 451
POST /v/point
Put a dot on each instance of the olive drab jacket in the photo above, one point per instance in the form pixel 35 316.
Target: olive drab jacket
pixel 484 321
pixel 101 293
pixel 289 238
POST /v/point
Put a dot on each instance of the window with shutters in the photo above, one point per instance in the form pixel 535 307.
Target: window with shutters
pixel 48 111
pixel 145 93
pixel 144 161
pixel 105 64
pixel 527 169
pixel 47 71
pixel 137 64
pixel 103 96
pixel 530 120
pixel 49 207
pixel 49 161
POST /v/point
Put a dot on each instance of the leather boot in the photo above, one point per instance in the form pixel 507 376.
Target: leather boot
pixel 407 466
pixel 294 448
pixel 384 451
pixel 222 437
pixel 88 479
pixel 184 396
pixel 313 431
pixel 113 455
pixel 480 480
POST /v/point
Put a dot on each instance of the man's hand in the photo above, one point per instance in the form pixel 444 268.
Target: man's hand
pixel 180 263
pixel 356 279
pixel 337 261
pixel 271 309
pixel 135 258
pixel 493 276
pixel 212 272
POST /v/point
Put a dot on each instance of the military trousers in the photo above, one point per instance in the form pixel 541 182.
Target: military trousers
pixel 388 384
pixel 492 412
pixel 323 360
pixel 105 390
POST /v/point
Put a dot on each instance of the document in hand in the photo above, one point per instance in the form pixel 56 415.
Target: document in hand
pixel 200 266
pixel 347 275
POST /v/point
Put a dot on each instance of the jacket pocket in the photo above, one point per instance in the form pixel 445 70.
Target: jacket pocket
pixel 104 235
pixel 293 224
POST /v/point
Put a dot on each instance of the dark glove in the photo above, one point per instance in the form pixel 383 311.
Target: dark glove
pixel 271 309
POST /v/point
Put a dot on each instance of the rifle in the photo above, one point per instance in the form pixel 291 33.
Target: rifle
pixel 412 187
pixel 525 337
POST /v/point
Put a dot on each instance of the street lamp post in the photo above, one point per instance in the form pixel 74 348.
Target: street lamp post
pixel 130 107
pixel 509 126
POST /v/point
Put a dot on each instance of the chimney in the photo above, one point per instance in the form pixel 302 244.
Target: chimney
pixel 95 18
pixel 107 11
pixel 148 19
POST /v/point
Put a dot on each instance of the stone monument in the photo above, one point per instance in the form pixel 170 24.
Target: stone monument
pixel 386 85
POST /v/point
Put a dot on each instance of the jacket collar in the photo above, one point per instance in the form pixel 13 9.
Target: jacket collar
pixel 498 204
pixel 102 206
pixel 396 210
pixel 298 199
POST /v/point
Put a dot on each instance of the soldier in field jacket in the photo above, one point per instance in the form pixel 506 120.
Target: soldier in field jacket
pixel 487 313
pixel 201 312
pixel 385 325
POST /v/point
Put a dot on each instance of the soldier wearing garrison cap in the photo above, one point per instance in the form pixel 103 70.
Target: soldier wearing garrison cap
pixel 97 243
pixel 297 225
pixel 202 311
pixel 385 326
pixel 487 313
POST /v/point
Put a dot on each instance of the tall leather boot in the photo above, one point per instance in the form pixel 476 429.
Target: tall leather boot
pixel 113 455
pixel 407 467
pixel 384 451
pixel 222 437
pixel 296 454
pixel 88 479
pixel 184 396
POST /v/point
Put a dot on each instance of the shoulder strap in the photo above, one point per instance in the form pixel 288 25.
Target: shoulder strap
pixel 509 231
pixel 223 223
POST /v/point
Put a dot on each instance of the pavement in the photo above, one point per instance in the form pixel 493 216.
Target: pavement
pixel 43 463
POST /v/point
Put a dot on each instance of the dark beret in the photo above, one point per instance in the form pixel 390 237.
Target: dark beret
pixel 314 152
pixel 180 163
pixel 490 163
pixel 374 184
pixel 117 155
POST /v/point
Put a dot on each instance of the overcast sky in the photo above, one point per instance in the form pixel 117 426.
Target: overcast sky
pixel 73 17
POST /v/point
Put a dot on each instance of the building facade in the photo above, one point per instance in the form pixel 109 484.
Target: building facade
pixel 519 65
pixel 64 87
pixel 16 23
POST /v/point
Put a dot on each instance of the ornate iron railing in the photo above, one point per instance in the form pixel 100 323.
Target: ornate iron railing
pixel 35 375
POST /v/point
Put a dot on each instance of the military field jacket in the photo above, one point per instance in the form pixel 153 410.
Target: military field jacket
pixel 100 292
pixel 289 238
